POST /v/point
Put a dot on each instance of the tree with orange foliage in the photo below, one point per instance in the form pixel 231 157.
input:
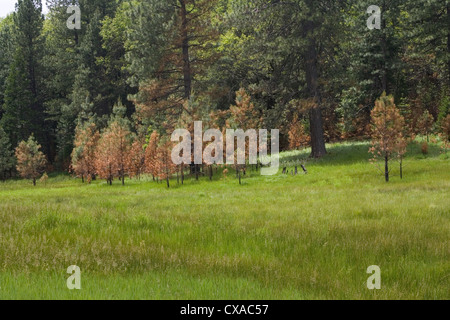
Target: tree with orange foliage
pixel 113 147
pixel 298 138
pixel 244 115
pixel 105 163
pixel 31 161
pixel 83 154
pixel 164 165
pixel 387 132
pixel 150 165
pixel 183 38
pixel 136 159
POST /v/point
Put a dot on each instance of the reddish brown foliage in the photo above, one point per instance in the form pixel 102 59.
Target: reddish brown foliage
pixel 387 131
pixel 83 154
pixel 31 161
pixel 112 152
pixel 297 136
pixel 150 165
pixel 136 159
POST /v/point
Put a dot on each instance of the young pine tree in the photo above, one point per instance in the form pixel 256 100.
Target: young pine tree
pixel 31 161
pixel 387 131
pixel 136 159
pixel 83 154
pixel 244 115
pixel 113 147
pixel 151 152
pixel 105 164
pixel 165 167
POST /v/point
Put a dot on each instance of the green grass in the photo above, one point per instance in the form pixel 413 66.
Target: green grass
pixel 282 237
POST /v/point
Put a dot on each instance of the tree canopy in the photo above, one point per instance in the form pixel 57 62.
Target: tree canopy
pixel 310 68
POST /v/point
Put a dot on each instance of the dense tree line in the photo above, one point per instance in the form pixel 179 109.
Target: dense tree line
pixel 136 70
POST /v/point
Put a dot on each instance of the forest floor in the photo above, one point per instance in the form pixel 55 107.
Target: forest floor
pixel 282 237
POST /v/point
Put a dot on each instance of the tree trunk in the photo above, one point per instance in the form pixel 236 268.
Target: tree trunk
pixel 384 81
pixel 312 79
pixel 401 168
pixel 317 136
pixel 386 168
pixel 187 75
pixel 448 44
pixel 182 173
pixel 34 181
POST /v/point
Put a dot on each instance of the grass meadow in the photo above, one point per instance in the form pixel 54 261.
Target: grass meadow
pixel 282 237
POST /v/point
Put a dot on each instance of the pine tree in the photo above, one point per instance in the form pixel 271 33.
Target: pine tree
pixel 387 132
pixel 170 49
pixel 23 108
pixel 136 159
pixel 31 161
pixel 83 154
pixel 113 147
pixel 244 116
pixel 290 46
pixel 6 54
pixel 77 68
pixel 105 163
pixel 165 167
pixel 430 28
pixel 7 160
pixel 151 152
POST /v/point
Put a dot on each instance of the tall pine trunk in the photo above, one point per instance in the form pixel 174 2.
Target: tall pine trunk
pixel 187 74
pixel 384 80
pixel 448 43
pixel 312 79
